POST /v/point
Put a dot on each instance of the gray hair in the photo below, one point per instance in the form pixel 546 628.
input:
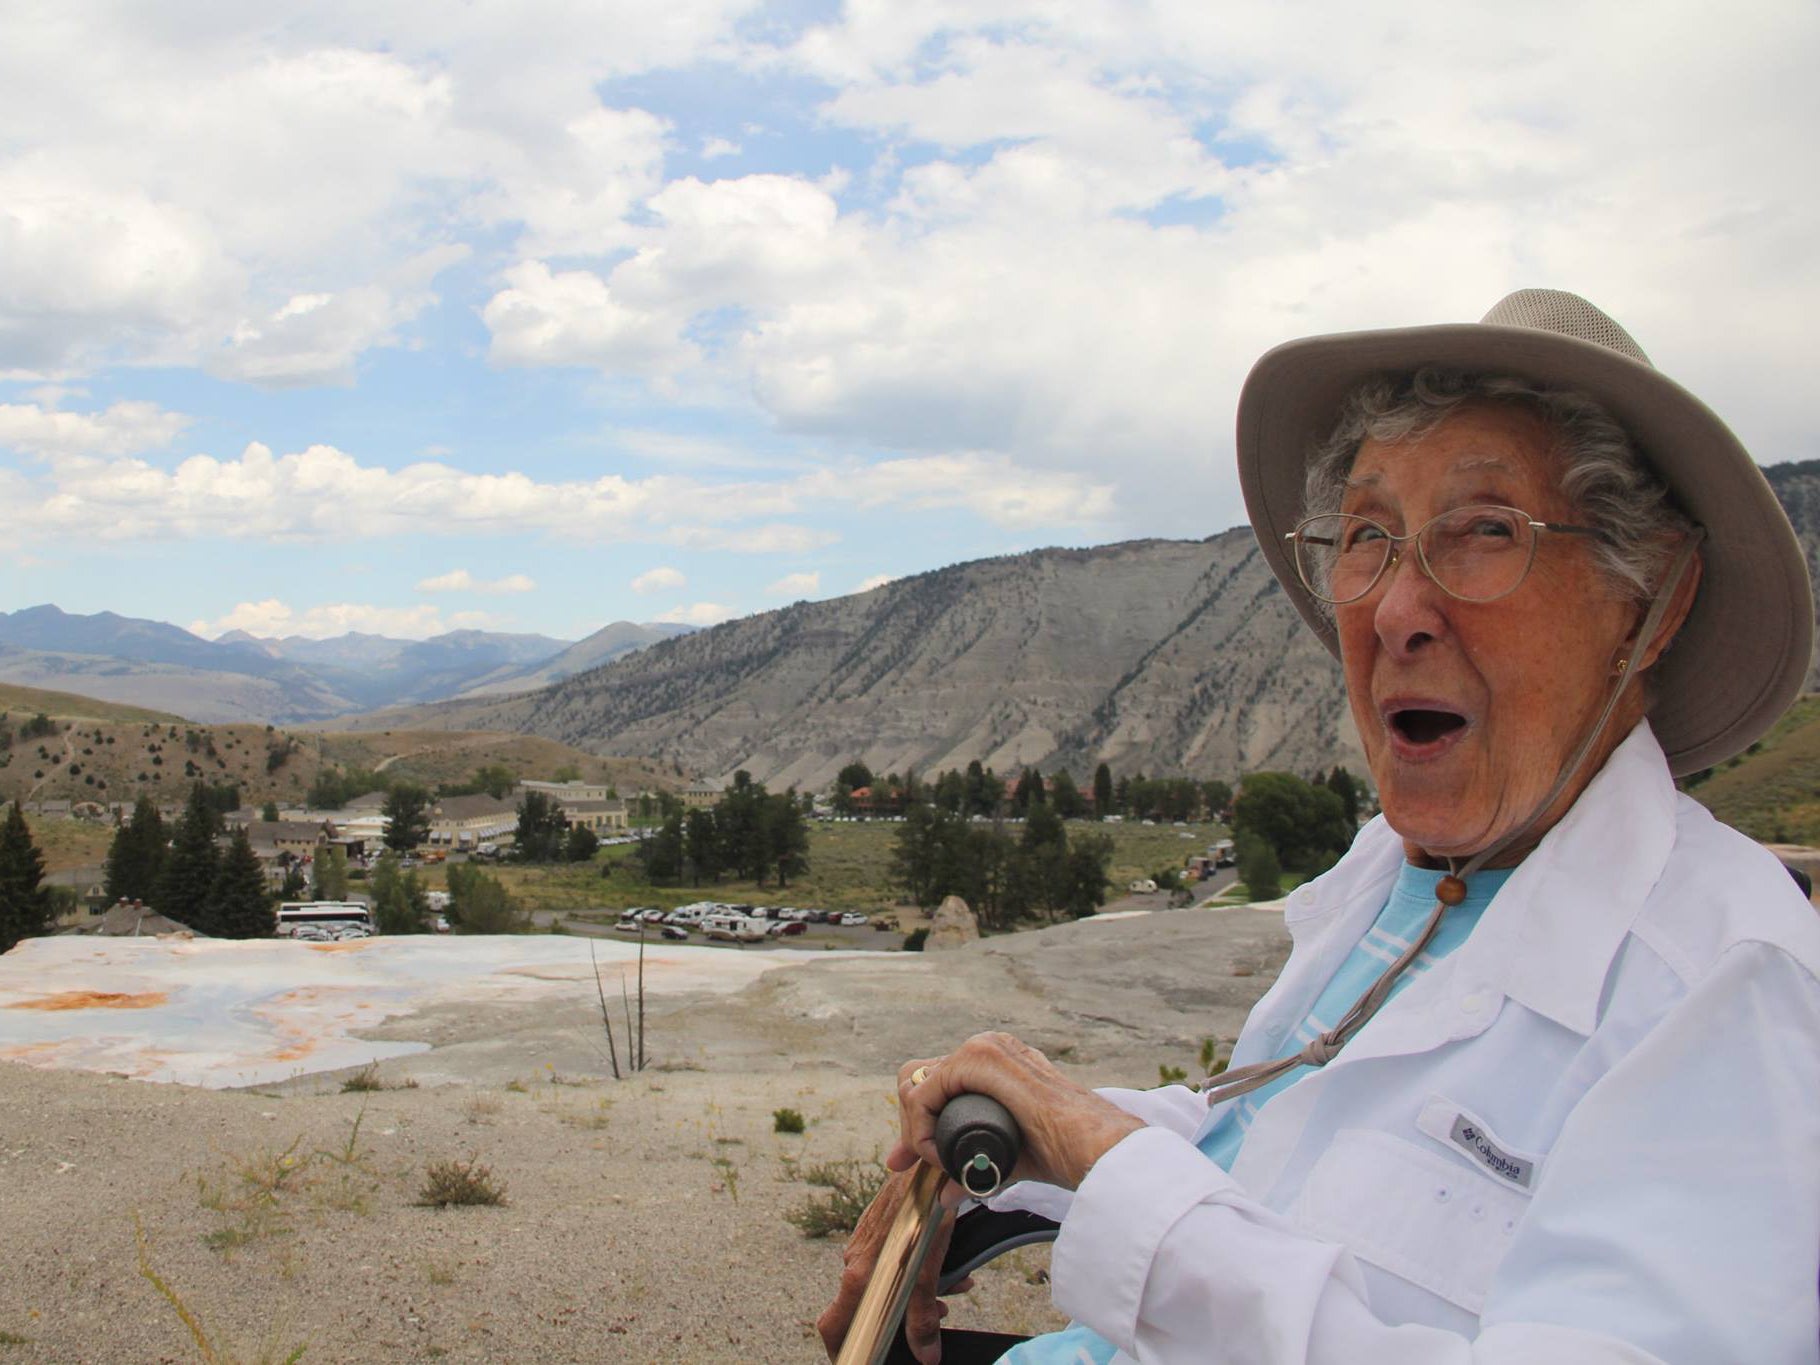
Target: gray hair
pixel 1604 475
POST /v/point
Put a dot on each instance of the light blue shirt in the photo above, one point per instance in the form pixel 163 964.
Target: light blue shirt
pixel 1399 924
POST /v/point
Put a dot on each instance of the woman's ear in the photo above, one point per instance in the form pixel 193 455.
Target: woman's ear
pixel 1679 605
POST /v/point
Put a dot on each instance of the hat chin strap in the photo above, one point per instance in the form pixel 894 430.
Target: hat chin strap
pixel 1451 889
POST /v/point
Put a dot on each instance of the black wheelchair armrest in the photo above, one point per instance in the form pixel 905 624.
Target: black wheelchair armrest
pixel 982 1234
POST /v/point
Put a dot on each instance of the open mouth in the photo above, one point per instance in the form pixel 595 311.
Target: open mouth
pixel 1419 725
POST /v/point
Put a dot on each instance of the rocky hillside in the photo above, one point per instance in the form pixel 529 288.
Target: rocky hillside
pixel 1164 656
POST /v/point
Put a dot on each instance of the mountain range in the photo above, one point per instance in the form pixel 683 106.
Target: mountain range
pixel 288 680
pixel 1155 656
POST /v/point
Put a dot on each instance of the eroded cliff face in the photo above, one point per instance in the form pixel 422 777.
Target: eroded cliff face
pixel 1164 656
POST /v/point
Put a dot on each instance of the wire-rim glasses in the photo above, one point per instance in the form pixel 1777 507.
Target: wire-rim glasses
pixel 1476 554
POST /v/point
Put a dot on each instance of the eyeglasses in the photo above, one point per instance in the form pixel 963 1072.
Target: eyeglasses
pixel 1477 554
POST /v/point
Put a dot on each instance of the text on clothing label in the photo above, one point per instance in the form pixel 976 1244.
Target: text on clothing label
pixel 1471 1138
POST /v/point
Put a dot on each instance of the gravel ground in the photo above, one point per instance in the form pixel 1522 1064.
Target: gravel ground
pixel 644 1219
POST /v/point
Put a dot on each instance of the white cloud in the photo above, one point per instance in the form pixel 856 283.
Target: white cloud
pixel 460 580
pixel 272 618
pixel 990 486
pixel 878 580
pixel 573 318
pixel 795 585
pixel 697 614
pixel 660 578
pixel 125 428
pixel 322 493
pixel 714 147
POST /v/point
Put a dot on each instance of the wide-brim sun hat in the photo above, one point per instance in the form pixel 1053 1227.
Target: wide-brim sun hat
pixel 1743 653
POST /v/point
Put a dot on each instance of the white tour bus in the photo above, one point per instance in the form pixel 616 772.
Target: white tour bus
pixel 334 916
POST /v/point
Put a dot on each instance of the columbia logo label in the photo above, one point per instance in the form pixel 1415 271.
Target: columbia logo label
pixel 1473 1140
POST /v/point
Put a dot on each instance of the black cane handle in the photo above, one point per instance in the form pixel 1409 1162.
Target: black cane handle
pixel 978 1142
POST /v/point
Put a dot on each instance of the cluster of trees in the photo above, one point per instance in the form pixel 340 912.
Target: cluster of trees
pixel 26 908
pixel 749 833
pixel 1002 877
pixel 544 836
pixel 1281 822
pixel 980 791
pixel 189 876
pixel 480 904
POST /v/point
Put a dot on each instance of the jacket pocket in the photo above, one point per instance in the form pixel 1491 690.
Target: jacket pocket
pixel 1420 1216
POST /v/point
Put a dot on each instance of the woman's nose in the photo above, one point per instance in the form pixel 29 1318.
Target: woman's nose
pixel 1409 610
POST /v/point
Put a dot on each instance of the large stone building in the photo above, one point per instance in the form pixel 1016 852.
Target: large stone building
pixel 468 821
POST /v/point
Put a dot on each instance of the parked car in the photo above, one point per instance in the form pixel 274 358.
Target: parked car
pixel 312 933
pixel 442 924
pixel 675 931
pixel 350 931
pixel 786 928
pixel 850 920
pixel 630 926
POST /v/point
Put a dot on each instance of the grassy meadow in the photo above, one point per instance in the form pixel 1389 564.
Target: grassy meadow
pixel 849 869
pixel 1773 794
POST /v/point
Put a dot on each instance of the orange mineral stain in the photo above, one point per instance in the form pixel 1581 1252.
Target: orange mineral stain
pixel 94 1000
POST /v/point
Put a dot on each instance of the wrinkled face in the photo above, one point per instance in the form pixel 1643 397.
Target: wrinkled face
pixel 1469 709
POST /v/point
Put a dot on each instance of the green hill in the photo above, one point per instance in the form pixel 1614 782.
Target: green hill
pixel 26 702
pixel 1772 792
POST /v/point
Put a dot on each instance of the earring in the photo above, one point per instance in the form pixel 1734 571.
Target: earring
pixel 1619 667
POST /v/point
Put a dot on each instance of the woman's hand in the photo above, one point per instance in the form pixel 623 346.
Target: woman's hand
pixel 1066 1126
pixel 923 1317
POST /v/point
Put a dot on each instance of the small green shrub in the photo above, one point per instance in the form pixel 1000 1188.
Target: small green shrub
pixel 1170 1075
pixel 851 1186
pixel 786 1121
pixel 460 1183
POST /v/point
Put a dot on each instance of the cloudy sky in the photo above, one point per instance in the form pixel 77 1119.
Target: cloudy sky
pixel 539 315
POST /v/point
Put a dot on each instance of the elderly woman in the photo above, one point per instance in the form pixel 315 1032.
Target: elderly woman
pixel 1541 1078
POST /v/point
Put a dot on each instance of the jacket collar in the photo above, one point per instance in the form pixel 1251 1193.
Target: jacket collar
pixel 1548 939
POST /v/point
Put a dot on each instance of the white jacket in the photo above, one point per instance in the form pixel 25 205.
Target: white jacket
pixel 1590 1134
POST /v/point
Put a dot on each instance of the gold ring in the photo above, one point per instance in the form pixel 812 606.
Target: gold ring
pixel 920 1075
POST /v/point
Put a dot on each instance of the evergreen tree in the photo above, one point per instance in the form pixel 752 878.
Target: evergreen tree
pixel 1343 785
pixel 1218 796
pixel 662 853
pixel 1102 791
pixel 187 882
pixel 25 903
pixel 541 829
pixel 295 888
pixel 701 846
pixel 787 837
pixel 407 811
pixel 581 844
pixel 330 868
pixel 1258 866
pixel 239 904
pixel 1028 792
pixel 1065 796
pixel 269 812
pixel 136 857
pixel 399 903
